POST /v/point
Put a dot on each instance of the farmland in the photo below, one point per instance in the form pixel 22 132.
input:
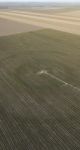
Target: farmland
pixel 39 77
pixel 40 91
pixel 13 27
pixel 67 21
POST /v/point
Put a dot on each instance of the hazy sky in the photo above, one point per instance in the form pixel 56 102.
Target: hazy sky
pixel 40 0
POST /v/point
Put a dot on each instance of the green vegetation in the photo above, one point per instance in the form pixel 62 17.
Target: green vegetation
pixel 37 112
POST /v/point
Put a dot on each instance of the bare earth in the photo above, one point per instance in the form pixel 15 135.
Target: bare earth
pixel 68 21
pixel 8 27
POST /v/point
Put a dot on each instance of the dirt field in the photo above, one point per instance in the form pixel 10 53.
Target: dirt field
pixel 66 21
pixel 73 13
pixel 8 27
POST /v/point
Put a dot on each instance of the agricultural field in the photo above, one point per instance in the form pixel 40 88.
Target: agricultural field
pixel 8 27
pixel 65 20
pixel 40 79
pixel 40 91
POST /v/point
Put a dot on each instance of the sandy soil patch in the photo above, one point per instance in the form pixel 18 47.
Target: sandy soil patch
pixel 59 16
pixel 61 22
pixel 75 13
pixel 8 27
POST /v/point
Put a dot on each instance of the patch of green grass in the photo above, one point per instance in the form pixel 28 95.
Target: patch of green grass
pixel 38 112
